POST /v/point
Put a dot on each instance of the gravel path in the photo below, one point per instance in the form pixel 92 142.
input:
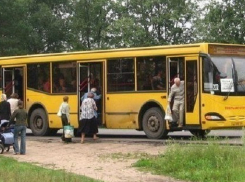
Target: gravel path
pixel 104 160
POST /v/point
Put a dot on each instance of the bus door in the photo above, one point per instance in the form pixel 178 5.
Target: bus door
pixel 90 75
pixel 175 69
pixel 14 81
pixel 192 99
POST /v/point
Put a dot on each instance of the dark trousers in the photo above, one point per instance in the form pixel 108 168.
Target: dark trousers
pixel 64 123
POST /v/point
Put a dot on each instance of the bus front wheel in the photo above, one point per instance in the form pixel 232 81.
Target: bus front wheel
pixel 154 124
pixel 39 123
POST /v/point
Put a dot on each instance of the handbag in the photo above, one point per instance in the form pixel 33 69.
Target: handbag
pixel 59 112
pixel 69 131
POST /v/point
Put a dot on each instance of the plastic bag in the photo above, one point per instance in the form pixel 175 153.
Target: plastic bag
pixel 168 115
pixel 69 131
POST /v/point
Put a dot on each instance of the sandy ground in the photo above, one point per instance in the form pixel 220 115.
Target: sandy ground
pixel 106 160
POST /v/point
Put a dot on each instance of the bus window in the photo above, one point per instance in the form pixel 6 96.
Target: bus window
pixel 40 71
pixel 151 73
pixel 64 77
pixel 239 61
pixel 216 70
pixel 120 75
pixel 191 85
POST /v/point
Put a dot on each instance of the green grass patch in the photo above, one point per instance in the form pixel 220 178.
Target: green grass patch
pixel 199 163
pixel 14 171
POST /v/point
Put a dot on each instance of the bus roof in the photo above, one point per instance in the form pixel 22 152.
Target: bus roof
pixel 110 53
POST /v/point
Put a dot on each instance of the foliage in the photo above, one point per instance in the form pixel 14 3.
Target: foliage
pixel 211 163
pixel 89 20
pixel 31 26
pixel 222 21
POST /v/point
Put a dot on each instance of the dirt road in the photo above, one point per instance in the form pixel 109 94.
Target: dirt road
pixel 106 160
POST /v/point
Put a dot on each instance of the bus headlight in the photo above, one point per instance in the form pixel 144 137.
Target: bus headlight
pixel 213 116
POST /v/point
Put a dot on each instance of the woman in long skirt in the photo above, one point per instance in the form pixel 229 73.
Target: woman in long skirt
pixel 87 124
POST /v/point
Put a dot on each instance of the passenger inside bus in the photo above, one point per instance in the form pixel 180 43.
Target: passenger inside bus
pixel 157 81
pixel 62 87
pixel 148 84
pixel 73 85
pixel 84 83
pixel 46 85
pixel 18 80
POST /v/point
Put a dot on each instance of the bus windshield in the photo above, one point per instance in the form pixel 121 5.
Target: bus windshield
pixel 224 75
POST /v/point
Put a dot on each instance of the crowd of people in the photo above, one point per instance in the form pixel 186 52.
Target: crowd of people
pixel 12 112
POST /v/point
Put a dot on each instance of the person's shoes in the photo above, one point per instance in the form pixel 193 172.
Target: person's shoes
pixel 180 126
pixel 16 153
pixel 82 142
pixel 22 154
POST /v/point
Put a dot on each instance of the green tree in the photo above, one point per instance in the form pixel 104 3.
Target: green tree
pixel 89 21
pixel 222 22
pixel 12 26
pixel 33 26
pixel 47 25
pixel 151 22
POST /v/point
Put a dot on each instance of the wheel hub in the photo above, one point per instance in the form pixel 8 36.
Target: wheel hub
pixel 153 123
pixel 39 123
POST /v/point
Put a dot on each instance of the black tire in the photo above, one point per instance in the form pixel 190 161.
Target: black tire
pixel 1 148
pixel 200 133
pixel 154 124
pixel 39 122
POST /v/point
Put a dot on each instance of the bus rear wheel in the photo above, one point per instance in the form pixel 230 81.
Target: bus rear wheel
pixel 200 133
pixel 154 124
pixel 39 123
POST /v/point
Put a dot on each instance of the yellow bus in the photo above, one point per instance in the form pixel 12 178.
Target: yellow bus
pixel 130 97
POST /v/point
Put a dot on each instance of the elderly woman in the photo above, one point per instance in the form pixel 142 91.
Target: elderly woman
pixel 5 111
pixel 87 124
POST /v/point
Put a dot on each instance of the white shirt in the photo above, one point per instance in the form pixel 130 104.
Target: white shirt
pixel 13 104
pixel 65 109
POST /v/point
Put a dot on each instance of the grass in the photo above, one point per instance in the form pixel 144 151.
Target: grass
pixel 199 163
pixel 14 171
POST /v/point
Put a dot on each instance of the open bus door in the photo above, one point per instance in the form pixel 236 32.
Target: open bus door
pixel 13 81
pixel 186 68
pixel 192 93
pixel 175 70
pixel 90 75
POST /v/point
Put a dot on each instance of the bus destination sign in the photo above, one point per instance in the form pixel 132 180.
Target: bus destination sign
pixel 226 50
